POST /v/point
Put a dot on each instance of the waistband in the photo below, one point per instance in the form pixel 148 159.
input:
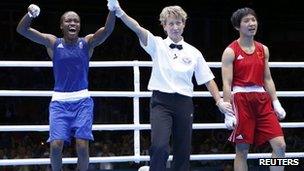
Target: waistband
pixel 70 96
pixel 246 89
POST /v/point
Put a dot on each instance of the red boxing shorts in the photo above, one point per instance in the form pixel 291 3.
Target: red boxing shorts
pixel 257 122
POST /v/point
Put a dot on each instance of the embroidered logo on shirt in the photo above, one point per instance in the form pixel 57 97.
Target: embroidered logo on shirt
pixel 60 45
pixel 240 57
pixel 186 60
pixel 260 55
pixel 239 137
pixel 80 45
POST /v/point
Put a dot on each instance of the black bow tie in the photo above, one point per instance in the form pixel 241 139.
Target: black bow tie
pixel 179 47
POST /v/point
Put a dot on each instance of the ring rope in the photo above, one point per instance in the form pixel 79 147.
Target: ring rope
pixel 126 127
pixel 132 63
pixel 136 94
pixel 39 93
pixel 73 160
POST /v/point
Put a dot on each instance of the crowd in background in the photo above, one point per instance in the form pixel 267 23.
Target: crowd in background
pixel 32 145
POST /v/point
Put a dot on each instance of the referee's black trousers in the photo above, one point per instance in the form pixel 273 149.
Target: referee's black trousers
pixel 170 113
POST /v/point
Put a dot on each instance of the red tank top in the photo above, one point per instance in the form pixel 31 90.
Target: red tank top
pixel 248 69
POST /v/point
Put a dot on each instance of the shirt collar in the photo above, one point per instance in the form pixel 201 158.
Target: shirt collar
pixel 168 41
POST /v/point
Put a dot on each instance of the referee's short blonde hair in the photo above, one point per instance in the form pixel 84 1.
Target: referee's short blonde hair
pixel 175 11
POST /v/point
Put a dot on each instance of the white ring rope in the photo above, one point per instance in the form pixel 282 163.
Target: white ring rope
pixel 132 63
pixel 136 127
pixel 73 160
pixel 127 127
pixel 39 93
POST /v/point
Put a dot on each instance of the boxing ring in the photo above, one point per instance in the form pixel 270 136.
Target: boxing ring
pixel 136 94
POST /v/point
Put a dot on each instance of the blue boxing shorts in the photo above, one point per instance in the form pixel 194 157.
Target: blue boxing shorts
pixel 71 119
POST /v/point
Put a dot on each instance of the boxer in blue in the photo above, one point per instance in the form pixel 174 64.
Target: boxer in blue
pixel 71 107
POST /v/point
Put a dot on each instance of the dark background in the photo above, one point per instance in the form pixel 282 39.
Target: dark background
pixel 208 28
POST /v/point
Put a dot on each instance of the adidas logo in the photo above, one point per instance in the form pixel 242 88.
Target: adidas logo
pixel 60 45
pixel 240 57
pixel 239 137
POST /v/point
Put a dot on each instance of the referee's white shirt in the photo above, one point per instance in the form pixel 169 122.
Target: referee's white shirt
pixel 173 69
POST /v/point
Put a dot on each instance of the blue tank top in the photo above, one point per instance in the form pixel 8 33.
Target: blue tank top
pixel 70 65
